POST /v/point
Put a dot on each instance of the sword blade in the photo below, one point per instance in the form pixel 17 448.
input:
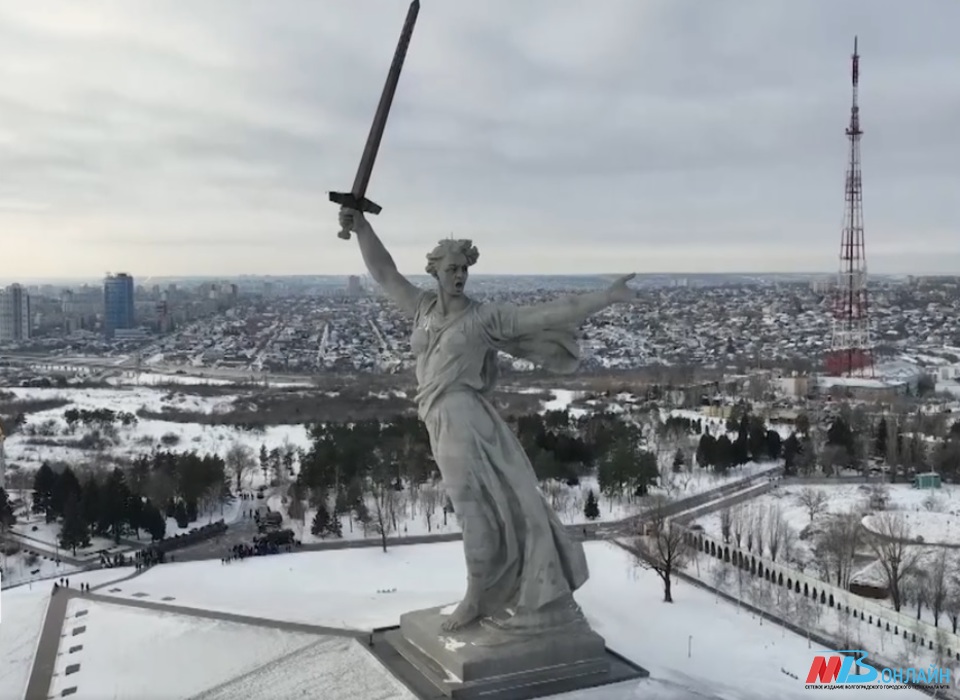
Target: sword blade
pixel 370 150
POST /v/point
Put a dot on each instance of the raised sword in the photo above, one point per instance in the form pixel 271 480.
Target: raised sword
pixel 356 198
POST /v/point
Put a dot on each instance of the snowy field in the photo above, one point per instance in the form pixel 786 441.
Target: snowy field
pixel 411 507
pixel 933 512
pixel 154 378
pixel 23 610
pixel 145 434
pixel 22 568
pixel 731 655
pixel 927 526
pixel 187 644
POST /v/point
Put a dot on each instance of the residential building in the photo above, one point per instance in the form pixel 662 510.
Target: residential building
pixel 16 320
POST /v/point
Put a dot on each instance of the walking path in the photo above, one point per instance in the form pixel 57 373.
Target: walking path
pixel 46 656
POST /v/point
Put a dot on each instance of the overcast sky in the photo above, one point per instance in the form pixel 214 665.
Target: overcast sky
pixel 201 137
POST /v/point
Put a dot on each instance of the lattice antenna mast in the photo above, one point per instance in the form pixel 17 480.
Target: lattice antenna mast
pixel 850 347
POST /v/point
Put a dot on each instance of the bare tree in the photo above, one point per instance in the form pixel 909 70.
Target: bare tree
pixel 813 500
pixel 889 540
pixel 380 486
pixel 297 513
pixel 296 508
pixel 750 517
pixel 239 461
pixel 777 531
pixel 937 582
pixel 429 500
pixel 760 529
pixel 836 547
pixel 726 524
pixel 738 523
pixel 661 546
pixel 951 605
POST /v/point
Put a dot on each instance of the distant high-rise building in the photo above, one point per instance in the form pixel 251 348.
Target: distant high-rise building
pixel 117 303
pixel 15 317
pixel 354 288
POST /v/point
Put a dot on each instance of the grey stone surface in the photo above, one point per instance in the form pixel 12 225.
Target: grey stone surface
pixel 482 652
pixel 428 680
pixel 519 556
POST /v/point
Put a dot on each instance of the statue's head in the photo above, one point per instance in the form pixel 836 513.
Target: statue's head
pixel 449 263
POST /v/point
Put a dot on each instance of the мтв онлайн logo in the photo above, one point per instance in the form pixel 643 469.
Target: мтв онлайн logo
pixel 849 668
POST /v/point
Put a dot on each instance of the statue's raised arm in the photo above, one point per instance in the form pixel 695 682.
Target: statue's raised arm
pixel 379 262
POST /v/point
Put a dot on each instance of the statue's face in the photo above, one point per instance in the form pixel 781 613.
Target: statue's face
pixel 452 274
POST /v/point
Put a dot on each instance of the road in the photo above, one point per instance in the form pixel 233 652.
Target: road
pixel 243 531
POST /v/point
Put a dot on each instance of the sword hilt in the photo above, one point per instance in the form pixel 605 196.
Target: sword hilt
pixel 351 201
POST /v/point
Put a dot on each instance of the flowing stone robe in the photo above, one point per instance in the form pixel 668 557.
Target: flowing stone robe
pixel 520 557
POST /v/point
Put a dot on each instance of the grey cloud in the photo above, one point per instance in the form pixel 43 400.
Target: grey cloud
pixel 694 131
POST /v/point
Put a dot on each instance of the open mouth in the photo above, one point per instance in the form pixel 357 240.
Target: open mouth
pixel 458 286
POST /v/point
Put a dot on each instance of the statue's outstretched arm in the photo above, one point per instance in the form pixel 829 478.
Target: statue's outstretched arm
pixel 574 309
pixel 380 263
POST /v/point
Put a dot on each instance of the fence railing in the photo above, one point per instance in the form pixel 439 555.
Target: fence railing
pixel 824 593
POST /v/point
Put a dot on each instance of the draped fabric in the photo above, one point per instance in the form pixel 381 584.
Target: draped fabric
pixel 517 550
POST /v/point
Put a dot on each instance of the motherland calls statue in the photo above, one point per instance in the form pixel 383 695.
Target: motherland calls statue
pixel 522 565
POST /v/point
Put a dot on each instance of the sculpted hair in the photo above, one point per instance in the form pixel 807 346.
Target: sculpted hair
pixel 448 246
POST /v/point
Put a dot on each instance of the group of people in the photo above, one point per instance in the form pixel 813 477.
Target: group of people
pixel 64 582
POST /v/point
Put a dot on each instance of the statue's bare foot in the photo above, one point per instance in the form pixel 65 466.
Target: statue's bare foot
pixel 466 612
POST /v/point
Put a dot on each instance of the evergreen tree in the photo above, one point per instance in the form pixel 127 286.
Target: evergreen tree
pixel 646 474
pixel 880 439
pixel 265 463
pixel 74 531
pixel 90 502
pixel 153 521
pixel 334 526
pixel 678 460
pixel 134 514
pixel 706 450
pixel 791 450
pixel 7 518
pixel 724 455
pixel 591 509
pixel 44 483
pixel 320 525
pixel 180 515
pixel 774 444
pixel 67 485
pixel 114 504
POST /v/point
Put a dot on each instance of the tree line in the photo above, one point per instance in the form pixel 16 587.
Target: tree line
pixel 180 486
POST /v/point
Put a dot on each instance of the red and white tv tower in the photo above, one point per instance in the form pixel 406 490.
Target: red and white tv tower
pixel 850 354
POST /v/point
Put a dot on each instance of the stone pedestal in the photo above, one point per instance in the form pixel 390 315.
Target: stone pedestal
pixel 483 661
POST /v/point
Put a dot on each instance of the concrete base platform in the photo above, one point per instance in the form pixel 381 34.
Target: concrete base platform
pixel 481 662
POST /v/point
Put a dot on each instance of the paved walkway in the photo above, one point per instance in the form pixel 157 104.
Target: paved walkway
pixel 46 657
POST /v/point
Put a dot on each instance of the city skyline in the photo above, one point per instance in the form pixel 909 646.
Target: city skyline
pixel 657 137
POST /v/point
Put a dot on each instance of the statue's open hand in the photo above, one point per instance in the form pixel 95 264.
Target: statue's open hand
pixel 619 292
pixel 352 220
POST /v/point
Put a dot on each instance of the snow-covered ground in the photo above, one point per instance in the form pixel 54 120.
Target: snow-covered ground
pixel 21 617
pixel 926 526
pixel 128 378
pixel 697 647
pixel 936 509
pixel 176 642
pixel 145 434
pixel 22 568
pixel 412 506
pixel 821 619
